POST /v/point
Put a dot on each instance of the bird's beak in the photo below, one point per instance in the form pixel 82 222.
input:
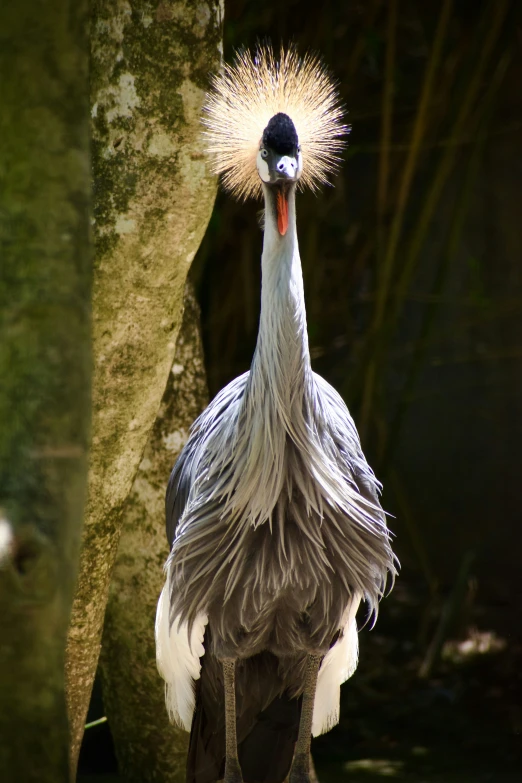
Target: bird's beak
pixel 283 172
pixel 285 169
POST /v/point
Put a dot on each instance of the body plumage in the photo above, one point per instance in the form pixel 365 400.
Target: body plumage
pixel 274 523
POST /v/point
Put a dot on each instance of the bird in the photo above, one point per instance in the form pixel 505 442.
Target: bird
pixel 272 511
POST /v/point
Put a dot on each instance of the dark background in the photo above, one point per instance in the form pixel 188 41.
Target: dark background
pixel 413 279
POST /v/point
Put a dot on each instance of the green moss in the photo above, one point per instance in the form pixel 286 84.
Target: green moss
pixel 44 368
pixel 131 182
pixel 165 46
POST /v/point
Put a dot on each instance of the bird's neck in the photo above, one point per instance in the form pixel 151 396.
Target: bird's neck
pixel 282 360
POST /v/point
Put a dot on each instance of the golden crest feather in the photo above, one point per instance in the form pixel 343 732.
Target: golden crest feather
pixel 246 94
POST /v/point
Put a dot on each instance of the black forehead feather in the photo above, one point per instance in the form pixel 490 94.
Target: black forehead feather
pixel 280 134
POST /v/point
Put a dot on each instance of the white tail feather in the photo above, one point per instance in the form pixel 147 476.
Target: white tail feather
pixel 338 666
pixel 177 658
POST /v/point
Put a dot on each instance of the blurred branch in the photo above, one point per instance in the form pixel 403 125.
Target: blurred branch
pixel 94 723
pixel 451 141
pixel 449 612
pixel 358 49
pixel 404 189
pixel 459 215
pixel 408 520
pixel 387 113
pixel 444 168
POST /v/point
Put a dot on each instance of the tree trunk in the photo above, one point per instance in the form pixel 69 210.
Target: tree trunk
pixel 45 288
pixel 148 747
pixel 150 64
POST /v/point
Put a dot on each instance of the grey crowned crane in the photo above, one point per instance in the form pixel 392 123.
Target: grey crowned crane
pixel 273 517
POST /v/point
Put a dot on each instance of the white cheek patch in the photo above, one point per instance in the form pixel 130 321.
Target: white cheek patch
pixel 262 167
pixel 299 164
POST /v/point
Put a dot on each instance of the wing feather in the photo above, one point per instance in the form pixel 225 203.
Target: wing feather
pixel 338 666
pixel 178 659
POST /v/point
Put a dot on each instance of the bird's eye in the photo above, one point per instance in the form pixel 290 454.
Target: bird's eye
pixel 264 153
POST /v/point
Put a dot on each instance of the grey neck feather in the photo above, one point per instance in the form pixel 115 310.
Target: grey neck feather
pixel 280 375
pixel 282 360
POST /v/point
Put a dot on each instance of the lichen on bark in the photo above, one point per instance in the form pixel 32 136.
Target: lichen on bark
pixel 45 286
pixel 153 195
pixel 148 746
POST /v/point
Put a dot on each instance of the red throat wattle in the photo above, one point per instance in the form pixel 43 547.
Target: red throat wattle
pixel 282 212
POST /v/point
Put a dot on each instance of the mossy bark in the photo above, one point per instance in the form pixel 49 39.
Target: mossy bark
pixel 148 746
pixel 45 365
pixel 153 196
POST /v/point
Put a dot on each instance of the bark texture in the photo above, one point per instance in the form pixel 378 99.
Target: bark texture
pixel 45 288
pixel 148 746
pixel 150 64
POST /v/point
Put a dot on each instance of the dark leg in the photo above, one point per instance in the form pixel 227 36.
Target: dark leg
pixel 232 768
pixel 300 770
